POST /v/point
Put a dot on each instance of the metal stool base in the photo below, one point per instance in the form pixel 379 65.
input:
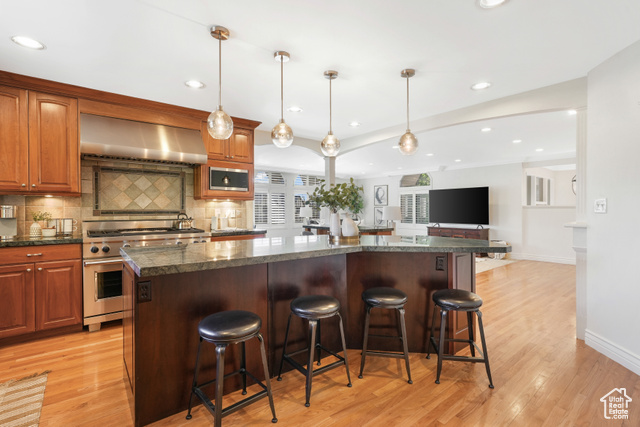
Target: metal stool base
pixel 216 409
pixel 439 347
pixel 314 350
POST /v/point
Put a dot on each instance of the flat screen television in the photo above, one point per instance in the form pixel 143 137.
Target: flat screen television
pixel 459 206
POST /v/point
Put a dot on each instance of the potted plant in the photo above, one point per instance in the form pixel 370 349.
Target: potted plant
pixel 36 230
pixel 340 196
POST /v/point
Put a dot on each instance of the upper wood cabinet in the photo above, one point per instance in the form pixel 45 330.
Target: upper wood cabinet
pixel 39 143
pixel 14 139
pixel 238 148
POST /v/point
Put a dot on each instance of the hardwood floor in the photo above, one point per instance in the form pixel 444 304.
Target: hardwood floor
pixel 542 374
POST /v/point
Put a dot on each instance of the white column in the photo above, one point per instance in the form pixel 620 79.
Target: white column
pixel 330 170
pixel 580 226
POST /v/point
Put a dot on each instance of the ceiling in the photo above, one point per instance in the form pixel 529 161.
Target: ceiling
pixel 148 49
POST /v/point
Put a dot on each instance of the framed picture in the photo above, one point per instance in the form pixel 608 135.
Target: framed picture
pixel 380 196
pixel 377 217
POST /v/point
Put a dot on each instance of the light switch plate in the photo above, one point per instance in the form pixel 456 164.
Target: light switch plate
pixel 600 206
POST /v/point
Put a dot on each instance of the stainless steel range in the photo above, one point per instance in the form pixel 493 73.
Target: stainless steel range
pixel 102 272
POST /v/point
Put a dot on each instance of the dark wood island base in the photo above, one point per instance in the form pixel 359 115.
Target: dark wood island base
pixel 162 313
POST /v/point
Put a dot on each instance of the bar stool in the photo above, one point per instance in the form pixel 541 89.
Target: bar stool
pixel 458 300
pixel 222 329
pixel 388 298
pixel 314 308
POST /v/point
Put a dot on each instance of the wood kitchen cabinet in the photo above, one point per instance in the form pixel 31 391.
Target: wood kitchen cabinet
pixel 238 148
pixel 40 288
pixel 201 185
pixel 39 142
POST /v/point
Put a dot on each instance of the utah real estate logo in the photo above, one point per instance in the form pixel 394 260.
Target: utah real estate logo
pixel 616 404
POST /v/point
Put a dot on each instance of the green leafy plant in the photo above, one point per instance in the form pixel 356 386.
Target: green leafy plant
pixel 340 196
pixel 41 216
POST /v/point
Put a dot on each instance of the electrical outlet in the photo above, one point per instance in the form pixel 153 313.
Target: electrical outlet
pixel 144 292
pixel 440 263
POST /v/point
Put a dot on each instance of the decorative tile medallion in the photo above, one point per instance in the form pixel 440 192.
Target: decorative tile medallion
pixel 124 191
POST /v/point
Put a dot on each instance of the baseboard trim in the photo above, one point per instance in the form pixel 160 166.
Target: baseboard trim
pixel 622 356
pixel 543 258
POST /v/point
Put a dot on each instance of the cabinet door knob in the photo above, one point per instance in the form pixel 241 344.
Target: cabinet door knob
pixel 231 157
pixel 39 268
pixel 24 185
pixel 33 185
pixel 28 270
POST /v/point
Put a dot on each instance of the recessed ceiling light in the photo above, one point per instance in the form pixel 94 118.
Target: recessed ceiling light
pixel 354 124
pixel 539 149
pixel 194 84
pixel 27 42
pixel 517 141
pixel 295 109
pixel 485 130
pixel 572 112
pixel 457 160
pixel 481 85
pixel 430 154
pixel 399 167
pixel 395 146
pixel 488 4
pixel 370 164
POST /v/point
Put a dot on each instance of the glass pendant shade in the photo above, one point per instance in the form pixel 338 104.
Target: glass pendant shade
pixel 330 145
pixel 408 144
pixel 282 135
pixel 219 124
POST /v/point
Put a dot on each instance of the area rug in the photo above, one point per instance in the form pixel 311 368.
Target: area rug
pixel 21 401
pixel 485 264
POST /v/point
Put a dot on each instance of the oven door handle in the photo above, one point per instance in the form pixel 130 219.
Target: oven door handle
pixel 103 262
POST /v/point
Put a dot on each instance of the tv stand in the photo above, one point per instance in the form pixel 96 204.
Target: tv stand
pixel 462 233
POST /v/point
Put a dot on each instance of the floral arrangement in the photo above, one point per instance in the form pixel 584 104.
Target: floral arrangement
pixel 41 216
pixel 346 196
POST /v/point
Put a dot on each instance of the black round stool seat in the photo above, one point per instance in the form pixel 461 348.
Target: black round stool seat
pixel 457 299
pixel 315 306
pixel 228 326
pixel 384 297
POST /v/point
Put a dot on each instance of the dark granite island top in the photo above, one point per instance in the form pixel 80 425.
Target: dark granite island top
pixel 164 260
pixel 168 290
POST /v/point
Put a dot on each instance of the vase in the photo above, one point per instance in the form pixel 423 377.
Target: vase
pixel 35 230
pixel 349 227
pixel 334 224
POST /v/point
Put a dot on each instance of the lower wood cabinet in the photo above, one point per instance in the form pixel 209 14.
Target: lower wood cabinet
pixel 41 295
pixel 238 237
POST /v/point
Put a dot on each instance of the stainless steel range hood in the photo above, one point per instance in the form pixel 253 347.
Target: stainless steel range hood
pixel 125 139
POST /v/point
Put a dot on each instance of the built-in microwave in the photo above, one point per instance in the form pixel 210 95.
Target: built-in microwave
pixel 227 179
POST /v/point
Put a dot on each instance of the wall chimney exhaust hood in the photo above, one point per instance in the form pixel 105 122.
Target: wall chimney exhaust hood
pixel 106 137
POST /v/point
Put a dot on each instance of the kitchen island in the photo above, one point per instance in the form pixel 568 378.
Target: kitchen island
pixel 168 290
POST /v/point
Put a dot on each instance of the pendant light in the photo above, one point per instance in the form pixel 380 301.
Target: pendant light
pixel 219 124
pixel 330 144
pixel 281 134
pixel 408 142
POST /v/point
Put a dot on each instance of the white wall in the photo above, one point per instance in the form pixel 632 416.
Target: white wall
pixel 505 199
pixel 544 235
pixel 613 150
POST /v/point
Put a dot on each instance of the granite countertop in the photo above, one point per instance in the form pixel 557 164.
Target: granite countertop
pixel 237 232
pixel 365 228
pixel 155 261
pixel 40 241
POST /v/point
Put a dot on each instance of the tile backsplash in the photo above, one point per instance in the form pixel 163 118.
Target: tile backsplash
pixel 240 213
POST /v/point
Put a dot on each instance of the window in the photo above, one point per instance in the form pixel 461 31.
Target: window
pixel 275 178
pixel 269 208
pixel 307 181
pixel 298 202
pixel 406 208
pixel 414 208
pixel 416 180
